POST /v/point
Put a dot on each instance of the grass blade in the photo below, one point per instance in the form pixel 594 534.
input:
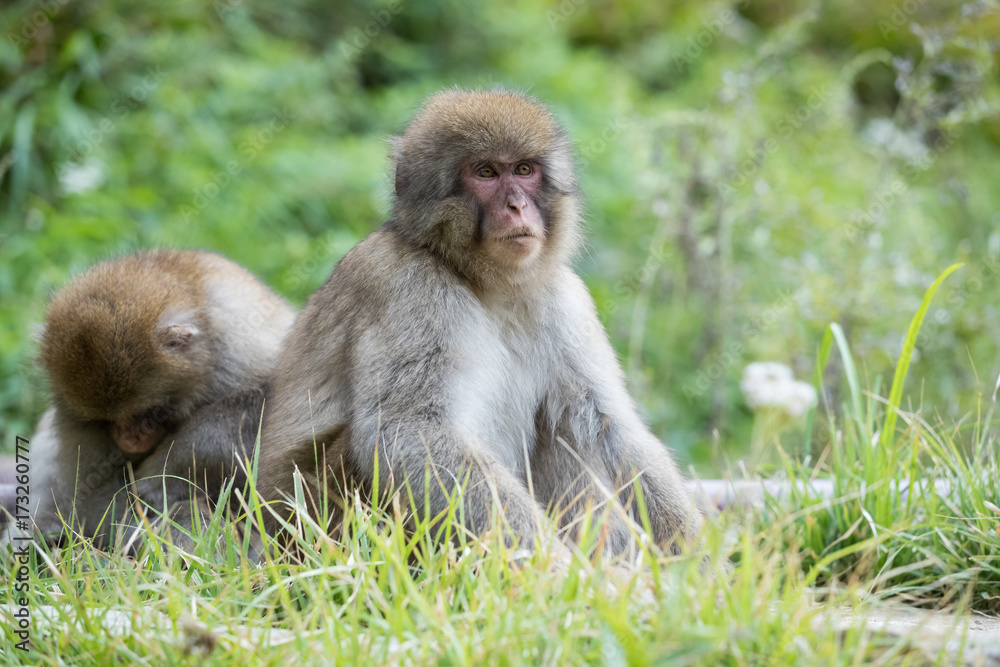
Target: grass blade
pixel 896 392
pixel 849 371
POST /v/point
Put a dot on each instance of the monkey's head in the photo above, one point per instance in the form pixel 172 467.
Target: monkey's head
pixel 122 346
pixel 485 180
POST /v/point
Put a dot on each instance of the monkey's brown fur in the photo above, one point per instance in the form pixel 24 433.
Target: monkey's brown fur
pixel 105 348
pixel 424 350
pixel 152 342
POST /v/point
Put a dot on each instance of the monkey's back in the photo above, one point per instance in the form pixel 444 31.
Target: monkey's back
pixel 318 374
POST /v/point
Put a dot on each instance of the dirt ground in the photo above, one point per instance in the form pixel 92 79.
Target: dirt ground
pixel 972 640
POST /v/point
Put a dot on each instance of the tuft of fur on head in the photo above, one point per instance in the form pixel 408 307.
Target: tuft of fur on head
pixel 122 334
pixel 456 126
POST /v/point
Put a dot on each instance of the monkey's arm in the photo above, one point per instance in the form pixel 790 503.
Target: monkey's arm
pixel 409 405
pixel 79 473
pixel 407 413
pixel 205 453
pixel 185 474
pixel 606 429
pixel 427 460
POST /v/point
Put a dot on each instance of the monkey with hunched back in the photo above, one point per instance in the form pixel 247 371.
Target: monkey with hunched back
pixel 156 362
pixel 457 350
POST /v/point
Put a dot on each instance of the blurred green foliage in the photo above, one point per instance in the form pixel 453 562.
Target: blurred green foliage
pixel 753 170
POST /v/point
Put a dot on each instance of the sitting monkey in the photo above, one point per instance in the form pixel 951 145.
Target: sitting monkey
pixel 456 346
pixel 156 362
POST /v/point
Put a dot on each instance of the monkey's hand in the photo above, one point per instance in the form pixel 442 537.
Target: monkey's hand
pixel 160 492
pixel 165 476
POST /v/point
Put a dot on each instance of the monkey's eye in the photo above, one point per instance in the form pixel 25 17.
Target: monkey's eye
pixel 486 171
pixel 523 169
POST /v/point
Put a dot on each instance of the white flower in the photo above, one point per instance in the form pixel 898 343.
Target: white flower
pixel 769 384
pixel 77 178
pixel 764 382
pixel 801 397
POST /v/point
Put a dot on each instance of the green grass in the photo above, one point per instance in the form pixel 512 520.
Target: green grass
pixel 386 596
pixel 381 594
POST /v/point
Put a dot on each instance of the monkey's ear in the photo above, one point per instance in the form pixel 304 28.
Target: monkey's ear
pixel 176 335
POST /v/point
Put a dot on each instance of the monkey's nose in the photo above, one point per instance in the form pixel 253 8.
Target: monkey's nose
pixel 516 202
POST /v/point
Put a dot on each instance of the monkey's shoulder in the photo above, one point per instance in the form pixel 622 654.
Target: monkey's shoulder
pixel 384 269
pixel 566 295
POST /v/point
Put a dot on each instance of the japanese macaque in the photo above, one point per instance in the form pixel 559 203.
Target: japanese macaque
pixel 457 350
pixel 156 363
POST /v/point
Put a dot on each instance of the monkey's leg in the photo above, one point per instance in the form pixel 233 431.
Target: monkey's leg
pixel 637 457
pixel 600 454
pixel 591 405
pixel 444 469
pixel 97 512
pixel 186 473
pixel 579 494
pixel 81 473
pixel 183 524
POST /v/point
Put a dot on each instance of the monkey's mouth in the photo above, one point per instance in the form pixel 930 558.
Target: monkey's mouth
pixel 519 234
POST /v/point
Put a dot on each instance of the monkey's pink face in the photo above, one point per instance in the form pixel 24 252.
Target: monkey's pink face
pixel 512 226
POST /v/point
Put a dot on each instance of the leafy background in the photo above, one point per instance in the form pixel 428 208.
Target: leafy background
pixel 753 170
